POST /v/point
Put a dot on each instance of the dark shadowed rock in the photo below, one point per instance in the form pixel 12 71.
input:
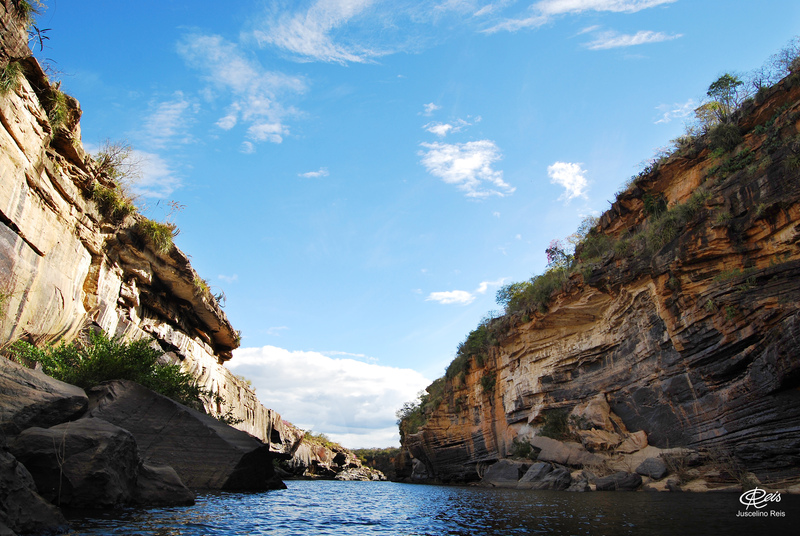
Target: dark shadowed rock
pixel 505 473
pixel 205 452
pixel 88 463
pixel 655 468
pixel 22 509
pixel 32 398
pixel 620 481
pixel 160 485
pixel 545 476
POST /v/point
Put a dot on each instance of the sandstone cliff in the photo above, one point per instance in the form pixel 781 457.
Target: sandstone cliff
pixel 692 343
pixel 65 264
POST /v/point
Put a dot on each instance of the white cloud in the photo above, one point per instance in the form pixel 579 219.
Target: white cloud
pixel 460 297
pixel 468 166
pixel 430 108
pixel 611 39
pixel 168 122
pixel 484 286
pixel 442 129
pixel 351 401
pixel 255 92
pixel 676 111
pixel 571 177
pixel 155 179
pixel 308 34
pixel 227 122
pixel 228 278
pixel 321 172
pixel 247 147
pixel 273 132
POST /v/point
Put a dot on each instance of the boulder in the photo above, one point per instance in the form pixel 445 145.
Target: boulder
pixel 160 485
pixel 88 463
pixel 545 476
pixel 634 442
pixel 205 453
pixel 505 473
pixel 594 440
pixel 581 481
pixel 22 509
pixel 655 468
pixel 563 453
pixel 30 397
pixel 620 481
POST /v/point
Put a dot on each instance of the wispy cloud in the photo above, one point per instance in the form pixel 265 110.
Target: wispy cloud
pixel 443 129
pixel 462 297
pixel 429 108
pixel 612 39
pixel 676 111
pixel 168 122
pixel 350 401
pixel 571 176
pixel 321 172
pixel 540 13
pixel 308 34
pixel 156 180
pixel 275 331
pixel 468 166
pixel 560 7
pixel 228 278
pixel 255 92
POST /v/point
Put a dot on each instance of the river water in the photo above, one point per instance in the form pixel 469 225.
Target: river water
pixel 386 508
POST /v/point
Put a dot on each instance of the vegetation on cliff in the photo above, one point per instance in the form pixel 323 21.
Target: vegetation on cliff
pixel 101 358
pixel 726 134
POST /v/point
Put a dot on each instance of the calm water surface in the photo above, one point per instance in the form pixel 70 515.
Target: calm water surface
pixel 365 508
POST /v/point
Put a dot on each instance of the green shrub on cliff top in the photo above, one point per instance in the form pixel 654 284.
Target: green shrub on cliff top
pixel 159 234
pixel 101 358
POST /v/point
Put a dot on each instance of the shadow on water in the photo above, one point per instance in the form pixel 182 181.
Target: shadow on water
pixel 359 508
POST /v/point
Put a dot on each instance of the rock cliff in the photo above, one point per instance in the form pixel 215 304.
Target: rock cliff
pixel 688 343
pixel 65 264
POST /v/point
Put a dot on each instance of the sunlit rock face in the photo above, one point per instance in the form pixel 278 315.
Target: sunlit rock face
pixel 694 343
pixel 65 265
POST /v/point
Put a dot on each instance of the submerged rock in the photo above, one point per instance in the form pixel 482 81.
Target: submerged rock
pixel 205 453
pixel 619 481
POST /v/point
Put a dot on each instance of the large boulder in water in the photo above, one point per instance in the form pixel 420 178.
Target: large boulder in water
pixel 206 453
pixel 32 398
pixel 543 475
pixel 505 473
pixel 91 463
pixel 22 509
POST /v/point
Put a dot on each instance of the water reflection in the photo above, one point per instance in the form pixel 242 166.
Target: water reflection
pixel 383 508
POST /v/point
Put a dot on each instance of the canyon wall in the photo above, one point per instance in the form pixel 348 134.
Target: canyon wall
pixel 695 343
pixel 65 264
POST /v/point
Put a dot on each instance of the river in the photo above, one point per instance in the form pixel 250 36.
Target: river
pixel 363 508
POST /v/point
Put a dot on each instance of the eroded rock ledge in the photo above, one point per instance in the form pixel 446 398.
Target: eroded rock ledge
pixel 693 345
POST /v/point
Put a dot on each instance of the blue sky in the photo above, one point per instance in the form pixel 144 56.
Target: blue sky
pixel 360 176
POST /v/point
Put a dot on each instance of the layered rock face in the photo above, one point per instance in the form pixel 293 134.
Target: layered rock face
pixel 64 264
pixel 693 344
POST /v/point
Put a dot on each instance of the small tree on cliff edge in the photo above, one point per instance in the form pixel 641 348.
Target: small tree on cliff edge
pixel 727 95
